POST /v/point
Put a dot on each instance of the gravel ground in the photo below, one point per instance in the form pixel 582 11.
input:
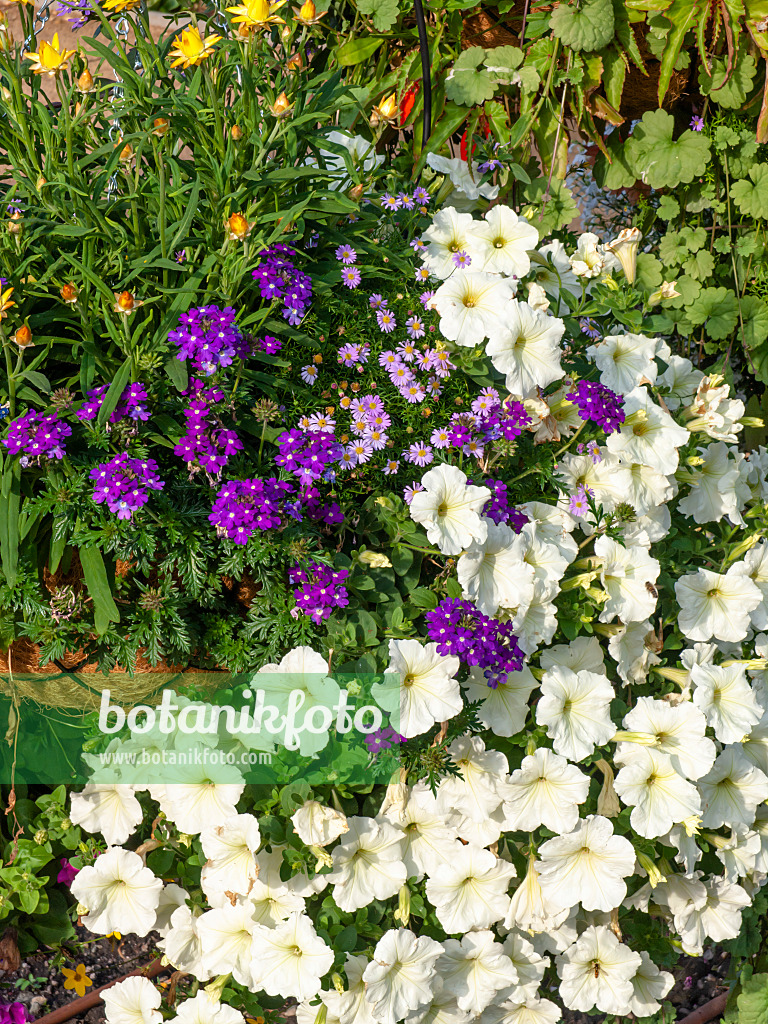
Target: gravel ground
pixel 698 979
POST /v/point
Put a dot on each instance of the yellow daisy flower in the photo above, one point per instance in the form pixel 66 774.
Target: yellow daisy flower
pixel 255 14
pixel 120 5
pixel 49 59
pixel 190 48
pixel 5 302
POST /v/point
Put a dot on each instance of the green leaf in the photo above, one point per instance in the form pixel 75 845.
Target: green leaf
pixel 401 558
pixel 95 575
pixel 754 314
pixel 423 598
pixel 752 197
pixel 178 373
pixel 648 274
pixel 752 1001
pixel 729 91
pixel 699 265
pixel 669 208
pixel 383 12
pixel 659 160
pixel 39 380
pixel 589 27
pixel 466 83
pixel 10 499
pixel 682 15
pixel 355 51
pixel 717 309
pixel 614 173
pixel 549 213
pixel 114 392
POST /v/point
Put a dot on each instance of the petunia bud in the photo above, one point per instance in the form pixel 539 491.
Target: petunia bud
pixel 624 248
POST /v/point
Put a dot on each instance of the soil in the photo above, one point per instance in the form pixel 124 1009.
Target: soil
pixel 698 979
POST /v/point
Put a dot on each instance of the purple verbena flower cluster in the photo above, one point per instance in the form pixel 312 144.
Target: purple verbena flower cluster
pixel 319 590
pixel 309 456
pixel 382 739
pixel 279 278
pixel 210 338
pixel 37 436
pixel 124 483
pixel 599 404
pixel 498 508
pixel 459 628
pixel 133 404
pixel 242 507
pixel 490 420
pixel 207 444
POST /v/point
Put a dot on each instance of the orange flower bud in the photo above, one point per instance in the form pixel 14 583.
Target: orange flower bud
pixel 126 154
pixel 14 224
pixel 238 227
pixel 281 106
pixel 23 337
pixel 295 63
pixel 236 132
pixel 124 302
pixel 68 293
pixel 85 82
pixel 161 126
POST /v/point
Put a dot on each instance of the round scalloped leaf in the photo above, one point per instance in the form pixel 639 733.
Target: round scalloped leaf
pixel 616 173
pixel 717 309
pixel 751 197
pixel 689 291
pixel 558 210
pixel 589 27
pixel 729 91
pixel 754 313
pixel 649 273
pixel 383 12
pixel 660 160
pixel 699 265
pixel 466 83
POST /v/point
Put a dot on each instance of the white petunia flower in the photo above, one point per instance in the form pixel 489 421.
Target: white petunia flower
pixel 475 969
pixel 111 809
pixel 597 971
pixel 470 891
pixel 419 687
pixel 628 575
pixel 504 240
pixel 272 899
pixel 442 1009
pixel 133 1001
pixel 584 652
pixel 537 297
pixel 713 412
pixel 290 959
pixel 716 605
pixel 473 307
pixel 590 257
pixel 648 434
pixel 739 854
pixel 726 698
pixel 172 897
pixel 318 825
pixel 226 937
pixel 182 944
pixel 205 1008
pixel 354 1008
pixel 450 232
pixel 120 892
pixel 755 566
pixel 529 909
pixel 553 524
pixel 624 360
pixel 678 731
pixel 650 985
pixel 537 623
pixel 609 480
pixel 732 790
pixel 399 979
pixel 478 788
pixel 543 555
pixel 587 866
pixel 428 840
pixel 544 790
pixel 719 918
pixel 717 490
pixel 530 967
pixel 450 510
pixel 658 795
pixel 367 863
pixel 231 851
pixel 504 707
pixel 300 670
pixel 631 647
pixel 575 709
pixel 679 380
pixel 465 179
pixel 526 347
pixel 493 573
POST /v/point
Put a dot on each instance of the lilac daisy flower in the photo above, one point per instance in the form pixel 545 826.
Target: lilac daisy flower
pixel 434 386
pixel 419 454
pixel 418 245
pixel 377 438
pixel 319 423
pixel 697 123
pixel 391 467
pixel 386 321
pixel 391 203
pixel 413 393
pixel 405 200
pixel 421 274
pixel 350 277
pixel 439 438
pixel 590 327
pixel 408 492
pixel 377 301
pixel 401 375
pixel 388 359
pixel 346 254
pixel 361 449
pixel 309 374
pixel 421 195
pixel 578 505
pixel 407 350
pixel 461 259
pixel 425 298
pixel 414 325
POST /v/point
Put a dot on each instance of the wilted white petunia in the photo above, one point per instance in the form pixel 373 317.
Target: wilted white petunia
pixel 399 978
pixel 504 707
pixel 575 709
pixel 111 809
pixel 659 796
pixel 544 790
pixel 493 573
pixel 732 790
pixel 526 347
pixel 290 959
pixel 231 851
pixel 628 575
pixel 450 510
pixel 648 434
pixel 367 863
pixel 475 969
pixel 205 1008
pixel 470 891
pixel 716 605
pixel 677 730
pixel 597 971
pixel 419 687
pixel 133 1001
pixel 450 232
pixel 121 894
pixel 478 788
pixel 226 936
pixel 590 257
pixel 318 825
pixel 473 306
pixel 650 985
pixel 587 866
pixel 624 360
pixel 503 240
pixel 726 698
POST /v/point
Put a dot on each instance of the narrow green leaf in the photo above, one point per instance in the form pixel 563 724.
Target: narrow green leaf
pixel 95 574
pixel 10 500
pixel 116 389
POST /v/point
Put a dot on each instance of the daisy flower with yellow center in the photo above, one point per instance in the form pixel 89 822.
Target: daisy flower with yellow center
pixel 257 14
pixel 190 48
pixel 49 59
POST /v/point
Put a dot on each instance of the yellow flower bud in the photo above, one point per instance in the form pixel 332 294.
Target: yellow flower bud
pixel 236 132
pixel 238 227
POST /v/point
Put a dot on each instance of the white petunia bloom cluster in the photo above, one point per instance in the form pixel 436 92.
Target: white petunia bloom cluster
pixel 530 855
